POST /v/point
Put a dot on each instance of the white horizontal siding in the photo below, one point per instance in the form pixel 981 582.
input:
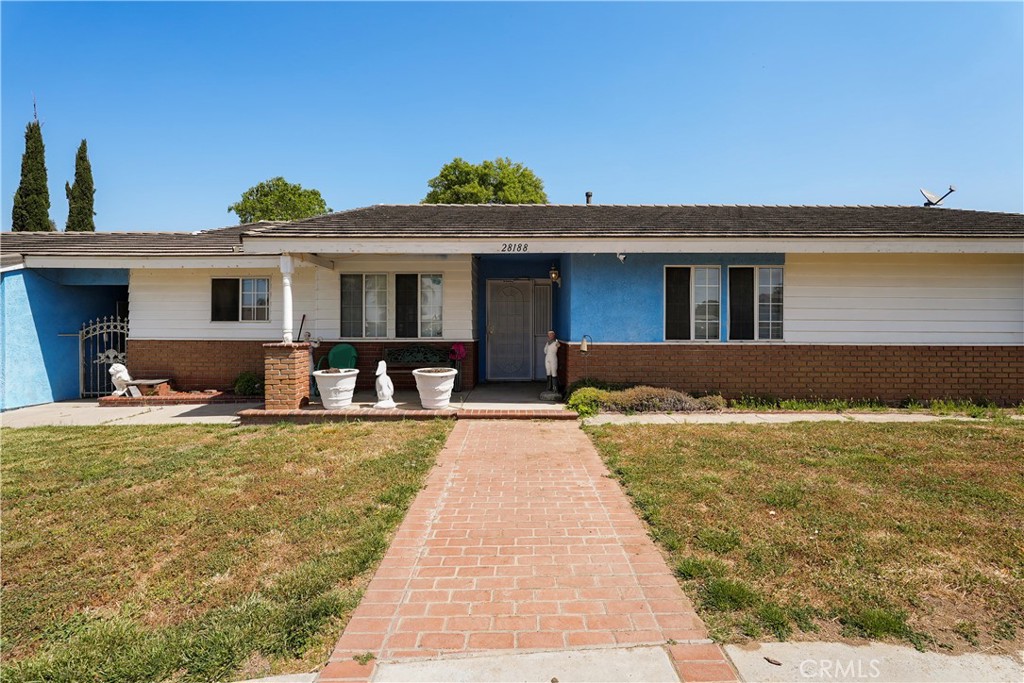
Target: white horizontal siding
pixel 175 304
pixel 457 271
pixel 904 299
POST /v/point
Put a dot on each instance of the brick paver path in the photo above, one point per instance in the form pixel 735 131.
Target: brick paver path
pixel 522 542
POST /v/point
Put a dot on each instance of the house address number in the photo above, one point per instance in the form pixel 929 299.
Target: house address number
pixel 515 246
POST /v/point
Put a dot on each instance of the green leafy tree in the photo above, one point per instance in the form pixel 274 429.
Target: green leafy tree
pixel 278 200
pixel 31 211
pixel 501 181
pixel 80 195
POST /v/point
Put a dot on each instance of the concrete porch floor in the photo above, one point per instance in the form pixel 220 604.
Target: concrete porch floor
pixel 486 396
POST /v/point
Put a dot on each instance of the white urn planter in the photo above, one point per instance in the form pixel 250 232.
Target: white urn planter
pixel 435 386
pixel 336 387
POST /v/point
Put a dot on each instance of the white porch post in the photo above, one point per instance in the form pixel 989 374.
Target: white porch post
pixel 287 268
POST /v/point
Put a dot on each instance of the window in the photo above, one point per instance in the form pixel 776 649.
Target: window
pixel 769 303
pixel 364 305
pixel 418 305
pixel 755 303
pixel 692 302
pixel 245 299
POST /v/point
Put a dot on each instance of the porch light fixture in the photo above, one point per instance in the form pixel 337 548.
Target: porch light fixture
pixel 585 342
pixel 555 276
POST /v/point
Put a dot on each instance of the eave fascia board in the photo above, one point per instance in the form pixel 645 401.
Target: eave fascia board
pixel 330 245
pixel 156 262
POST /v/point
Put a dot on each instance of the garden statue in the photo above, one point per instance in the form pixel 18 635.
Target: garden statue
pixel 551 367
pixel 385 388
pixel 120 377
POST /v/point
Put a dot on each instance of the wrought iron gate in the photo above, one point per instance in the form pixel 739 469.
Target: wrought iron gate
pixel 101 343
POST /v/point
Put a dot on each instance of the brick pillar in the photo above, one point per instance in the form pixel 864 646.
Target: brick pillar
pixel 286 375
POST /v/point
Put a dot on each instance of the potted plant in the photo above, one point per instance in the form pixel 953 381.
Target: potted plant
pixel 455 355
pixel 336 386
pixel 435 386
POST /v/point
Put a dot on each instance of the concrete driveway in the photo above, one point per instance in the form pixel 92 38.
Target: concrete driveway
pixel 86 412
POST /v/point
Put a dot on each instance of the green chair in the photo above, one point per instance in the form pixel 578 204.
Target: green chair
pixel 343 356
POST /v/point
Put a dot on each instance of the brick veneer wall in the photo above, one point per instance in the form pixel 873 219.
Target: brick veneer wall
pixel 199 364
pixel 888 373
pixel 193 364
pixel 286 375
pixel 372 352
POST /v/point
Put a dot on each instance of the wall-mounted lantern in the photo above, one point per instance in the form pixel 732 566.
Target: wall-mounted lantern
pixel 555 276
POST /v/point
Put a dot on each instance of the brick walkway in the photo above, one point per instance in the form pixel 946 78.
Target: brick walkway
pixel 521 542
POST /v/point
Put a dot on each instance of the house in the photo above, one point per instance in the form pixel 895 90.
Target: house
pixel 790 301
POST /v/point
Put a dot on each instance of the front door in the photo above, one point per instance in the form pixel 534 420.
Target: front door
pixel 509 330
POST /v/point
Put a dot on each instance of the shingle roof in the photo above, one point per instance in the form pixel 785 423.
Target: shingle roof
pixel 214 242
pixel 659 221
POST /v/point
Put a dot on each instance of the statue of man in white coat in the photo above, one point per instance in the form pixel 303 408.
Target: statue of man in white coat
pixel 551 361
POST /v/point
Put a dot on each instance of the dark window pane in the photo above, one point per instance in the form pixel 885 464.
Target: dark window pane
pixel 741 303
pixel 224 300
pixel 677 303
pixel 351 305
pixel 406 306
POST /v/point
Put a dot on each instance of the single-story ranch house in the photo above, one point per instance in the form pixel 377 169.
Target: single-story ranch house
pixel 789 301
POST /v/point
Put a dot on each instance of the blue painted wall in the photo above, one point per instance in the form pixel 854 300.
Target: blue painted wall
pixel 513 266
pixel 625 302
pixel 36 364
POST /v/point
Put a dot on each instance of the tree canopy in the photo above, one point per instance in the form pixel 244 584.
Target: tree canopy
pixel 31 210
pixel 501 181
pixel 80 195
pixel 278 200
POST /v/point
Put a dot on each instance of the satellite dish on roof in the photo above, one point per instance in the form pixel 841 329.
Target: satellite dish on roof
pixel 932 200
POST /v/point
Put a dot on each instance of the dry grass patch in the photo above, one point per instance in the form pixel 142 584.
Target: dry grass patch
pixel 195 552
pixel 894 531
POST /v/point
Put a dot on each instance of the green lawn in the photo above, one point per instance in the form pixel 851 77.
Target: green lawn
pixel 195 552
pixel 902 532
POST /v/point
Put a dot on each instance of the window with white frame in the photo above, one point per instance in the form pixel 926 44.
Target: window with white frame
pixel 364 305
pixel 245 299
pixel 418 302
pixel 755 303
pixel 419 305
pixel 692 302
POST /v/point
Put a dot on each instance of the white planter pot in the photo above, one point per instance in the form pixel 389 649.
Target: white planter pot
pixel 336 388
pixel 435 386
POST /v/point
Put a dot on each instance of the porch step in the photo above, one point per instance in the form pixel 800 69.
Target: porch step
pixel 257 416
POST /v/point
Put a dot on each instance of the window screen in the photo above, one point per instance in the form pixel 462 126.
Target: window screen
pixel 406 305
pixel 677 303
pixel 741 303
pixel 224 300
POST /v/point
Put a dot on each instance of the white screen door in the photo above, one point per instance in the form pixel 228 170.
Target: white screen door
pixel 509 330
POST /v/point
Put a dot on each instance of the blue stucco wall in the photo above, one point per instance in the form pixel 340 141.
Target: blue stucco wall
pixel 36 364
pixel 625 302
pixel 513 266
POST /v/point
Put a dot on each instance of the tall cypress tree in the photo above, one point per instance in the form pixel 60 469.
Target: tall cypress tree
pixel 80 195
pixel 32 200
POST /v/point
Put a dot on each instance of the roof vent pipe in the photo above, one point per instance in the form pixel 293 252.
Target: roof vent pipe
pixel 590 196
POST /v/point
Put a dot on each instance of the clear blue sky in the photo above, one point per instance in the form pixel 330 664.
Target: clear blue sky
pixel 185 105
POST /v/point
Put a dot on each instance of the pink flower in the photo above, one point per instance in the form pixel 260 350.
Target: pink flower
pixel 458 351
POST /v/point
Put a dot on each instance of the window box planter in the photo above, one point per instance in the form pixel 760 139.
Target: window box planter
pixel 435 386
pixel 336 387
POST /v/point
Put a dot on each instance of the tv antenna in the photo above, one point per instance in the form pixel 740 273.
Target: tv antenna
pixel 932 200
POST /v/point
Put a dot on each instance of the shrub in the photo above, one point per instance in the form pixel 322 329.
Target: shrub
pixel 711 402
pixel 649 400
pixel 248 384
pixel 587 401
pixel 587 382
